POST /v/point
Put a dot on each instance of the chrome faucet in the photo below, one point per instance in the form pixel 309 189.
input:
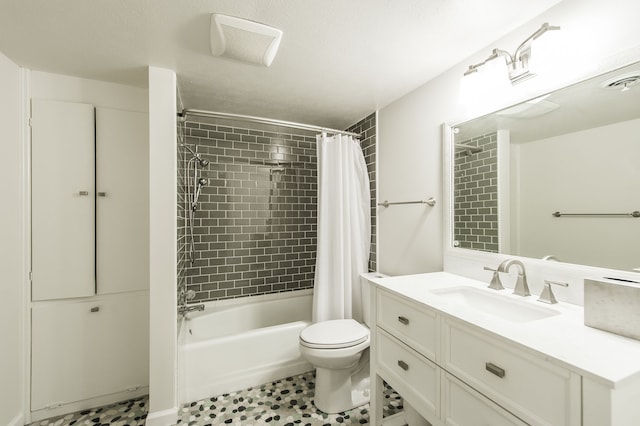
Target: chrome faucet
pixel 184 310
pixel 521 288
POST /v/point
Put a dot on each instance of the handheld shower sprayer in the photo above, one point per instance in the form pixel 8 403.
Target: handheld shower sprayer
pixel 201 182
pixel 193 187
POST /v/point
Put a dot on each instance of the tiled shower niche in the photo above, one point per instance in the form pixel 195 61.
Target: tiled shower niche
pixel 475 214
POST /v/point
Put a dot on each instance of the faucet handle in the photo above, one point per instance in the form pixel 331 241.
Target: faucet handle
pixel 495 283
pixel 547 295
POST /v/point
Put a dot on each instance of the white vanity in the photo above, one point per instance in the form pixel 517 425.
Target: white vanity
pixel 463 354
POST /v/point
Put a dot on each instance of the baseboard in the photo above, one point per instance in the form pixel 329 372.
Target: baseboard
pixel 163 418
pixel 87 404
pixel 18 420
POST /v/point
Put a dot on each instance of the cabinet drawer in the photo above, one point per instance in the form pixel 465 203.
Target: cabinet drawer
pixel 411 375
pixel 465 407
pixel 417 327
pixel 531 388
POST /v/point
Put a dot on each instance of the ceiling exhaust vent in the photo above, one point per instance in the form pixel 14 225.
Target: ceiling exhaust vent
pixel 243 40
pixel 622 82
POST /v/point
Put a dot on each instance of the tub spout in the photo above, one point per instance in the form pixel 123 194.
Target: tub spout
pixel 184 310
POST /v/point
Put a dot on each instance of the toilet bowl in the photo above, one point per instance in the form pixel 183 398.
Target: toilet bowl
pixel 339 351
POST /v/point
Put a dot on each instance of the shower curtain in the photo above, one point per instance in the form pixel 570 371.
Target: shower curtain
pixel 344 228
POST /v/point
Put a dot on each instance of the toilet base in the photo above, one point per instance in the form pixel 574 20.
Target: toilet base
pixel 339 390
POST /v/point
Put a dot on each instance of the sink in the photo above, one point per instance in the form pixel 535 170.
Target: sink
pixel 497 305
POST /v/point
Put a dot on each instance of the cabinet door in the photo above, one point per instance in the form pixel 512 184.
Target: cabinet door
pixel 83 348
pixel 122 217
pixel 462 406
pixel 62 197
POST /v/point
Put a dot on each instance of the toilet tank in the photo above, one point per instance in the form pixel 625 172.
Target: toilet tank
pixel 365 288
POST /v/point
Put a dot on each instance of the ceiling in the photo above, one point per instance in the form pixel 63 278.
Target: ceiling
pixel 338 60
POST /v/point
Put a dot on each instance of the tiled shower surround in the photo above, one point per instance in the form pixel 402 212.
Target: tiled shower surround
pixel 476 195
pixel 367 129
pixel 255 227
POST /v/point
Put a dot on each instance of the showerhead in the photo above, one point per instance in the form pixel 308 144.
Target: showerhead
pixel 195 156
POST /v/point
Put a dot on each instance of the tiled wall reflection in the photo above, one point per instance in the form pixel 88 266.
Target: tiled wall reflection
pixel 367 129
pixel 476 195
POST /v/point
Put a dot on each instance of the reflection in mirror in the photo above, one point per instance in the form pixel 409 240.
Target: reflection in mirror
pixel 555 176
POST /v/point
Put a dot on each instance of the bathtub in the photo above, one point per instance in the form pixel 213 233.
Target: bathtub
pixel 233 345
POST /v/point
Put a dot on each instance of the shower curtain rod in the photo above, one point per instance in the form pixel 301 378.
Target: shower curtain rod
pixel 261 120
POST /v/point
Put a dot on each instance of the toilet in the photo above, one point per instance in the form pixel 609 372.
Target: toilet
pixel 339 351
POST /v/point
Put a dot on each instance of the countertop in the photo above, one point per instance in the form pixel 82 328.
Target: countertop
pixel 563 339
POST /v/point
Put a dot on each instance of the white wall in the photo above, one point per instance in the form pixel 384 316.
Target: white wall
pixel 98 93
pixel 12 245
pixel 410 153
pixel 163 253
pixel 565 173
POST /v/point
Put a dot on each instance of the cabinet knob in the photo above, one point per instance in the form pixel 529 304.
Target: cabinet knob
pixel 95 309
pixel 403 365
pixel 83 193
pixel 403 320
pixel 102 194
pixel 494 369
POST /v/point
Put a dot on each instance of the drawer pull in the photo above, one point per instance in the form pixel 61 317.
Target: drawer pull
pixel 95 309
pixel 404 320
pixel 83 193
pixel 403 365
pixel 494 369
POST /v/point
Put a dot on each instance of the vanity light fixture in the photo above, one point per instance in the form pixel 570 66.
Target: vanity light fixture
pixel 520 66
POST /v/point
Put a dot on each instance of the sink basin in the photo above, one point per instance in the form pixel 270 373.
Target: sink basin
pixel 497 305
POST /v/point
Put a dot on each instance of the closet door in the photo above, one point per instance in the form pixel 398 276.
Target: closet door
pixel 62 200
pixel 122 216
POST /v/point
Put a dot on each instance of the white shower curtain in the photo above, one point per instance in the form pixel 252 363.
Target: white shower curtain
pixel 344 228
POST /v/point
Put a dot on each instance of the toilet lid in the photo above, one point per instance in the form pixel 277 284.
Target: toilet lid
pixel 334 334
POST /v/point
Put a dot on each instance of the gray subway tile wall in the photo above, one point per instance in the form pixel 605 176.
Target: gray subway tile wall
pixel 181 236
pixel 476 195
pixel 255 226
pixel 367 129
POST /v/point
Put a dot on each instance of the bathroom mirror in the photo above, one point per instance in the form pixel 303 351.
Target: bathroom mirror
pixel 557 177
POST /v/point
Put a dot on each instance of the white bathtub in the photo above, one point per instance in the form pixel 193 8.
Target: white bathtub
pixel 234 345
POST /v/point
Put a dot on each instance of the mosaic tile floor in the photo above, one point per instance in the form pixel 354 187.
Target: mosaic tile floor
pixel 286 402
pixel 132 412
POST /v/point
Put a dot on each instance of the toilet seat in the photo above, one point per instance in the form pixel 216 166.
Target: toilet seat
pixel 334 334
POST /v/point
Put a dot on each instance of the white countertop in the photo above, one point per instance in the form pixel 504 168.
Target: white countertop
pixel 563 339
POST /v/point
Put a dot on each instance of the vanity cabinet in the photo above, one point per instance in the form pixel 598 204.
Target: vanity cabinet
pixel 462 405
pixel 527 386
pixel 453 373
